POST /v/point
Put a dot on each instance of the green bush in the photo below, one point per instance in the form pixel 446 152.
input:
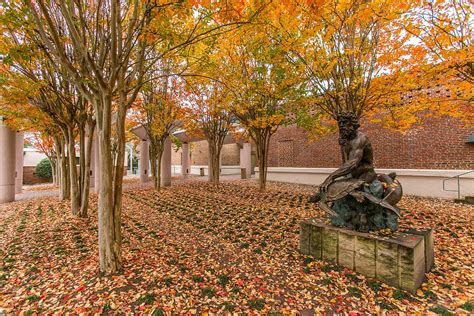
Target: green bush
pixel 43 169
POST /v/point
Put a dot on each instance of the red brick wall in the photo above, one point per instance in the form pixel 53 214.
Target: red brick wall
pixel 30 177
pixel 199 153
pixel 439 144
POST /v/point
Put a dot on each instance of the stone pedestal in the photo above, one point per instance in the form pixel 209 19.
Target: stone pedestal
pixel 400 261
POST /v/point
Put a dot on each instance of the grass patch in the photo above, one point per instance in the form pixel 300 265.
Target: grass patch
pixel 223 279
pixel 330 267
pixel 430 295
pixel 158 312
pixel 446 286
pixel 374 285
pixel 327 281
pixel 351 276
pixel 147 299
pixel 441 310
pixel 307 260
pixel 228 307
pixel 257 304
pixel 198 278
pixel 354 291
pixel 384 305
pixel 209 292
pixel 399 295
pixel 168 281
pixel 235 290
pixel 33 298
pixel 467 306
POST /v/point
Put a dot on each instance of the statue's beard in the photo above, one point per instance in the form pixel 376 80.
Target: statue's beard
pixel 345 136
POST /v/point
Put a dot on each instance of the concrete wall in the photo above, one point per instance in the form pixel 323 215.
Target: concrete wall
pixel 196 170
pixel 420 182
pixel 32 157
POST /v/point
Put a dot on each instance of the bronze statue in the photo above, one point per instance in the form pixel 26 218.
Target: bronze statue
pixel 354 195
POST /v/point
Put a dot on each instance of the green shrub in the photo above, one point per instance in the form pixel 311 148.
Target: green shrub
pixel 43 169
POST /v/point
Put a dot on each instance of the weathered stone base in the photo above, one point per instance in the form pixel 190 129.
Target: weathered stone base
pixel 401 261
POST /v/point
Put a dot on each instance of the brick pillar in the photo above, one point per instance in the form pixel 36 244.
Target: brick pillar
pixel 246 159
pixel 166 164
pixel 20 140
pixel 7 163
pixel 144 161
pixel 185 167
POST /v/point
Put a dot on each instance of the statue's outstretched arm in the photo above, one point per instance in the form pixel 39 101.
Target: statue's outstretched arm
pixel 355 156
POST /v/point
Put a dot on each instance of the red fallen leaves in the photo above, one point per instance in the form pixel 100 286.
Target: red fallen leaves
pixel 198 248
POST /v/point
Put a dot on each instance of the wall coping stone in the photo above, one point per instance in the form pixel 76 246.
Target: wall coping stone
pixel 401 172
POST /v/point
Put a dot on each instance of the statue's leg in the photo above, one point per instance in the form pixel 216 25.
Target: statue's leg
pixel 363 223
pixel 327 209
pixel 315 198
pixel 358 196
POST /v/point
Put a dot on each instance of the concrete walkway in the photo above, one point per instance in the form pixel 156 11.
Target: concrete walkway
pixel 29 195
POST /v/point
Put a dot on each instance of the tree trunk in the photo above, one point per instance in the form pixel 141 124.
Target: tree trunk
pixel 156 153
pixel 262 142
pixel 73 179
pixel 109 211
pixel 214 162
pixel 63 178
pixel 152 158
pixel 54 170
pixel 87 174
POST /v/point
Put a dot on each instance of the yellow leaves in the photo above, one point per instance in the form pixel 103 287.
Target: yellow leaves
pixel 264 122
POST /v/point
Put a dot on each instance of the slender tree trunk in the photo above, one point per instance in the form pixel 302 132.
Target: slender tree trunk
pixel 58 171
pixel 63 178
pixel 153 162
pixel 87 175
pixel 158 172
pixel 214 166
pixel 262 142
pixel 73 178
pixel 118 180
pixel 82 159
pixel 156 153
pixel 52 162
pixel 109 211
pixel 54 170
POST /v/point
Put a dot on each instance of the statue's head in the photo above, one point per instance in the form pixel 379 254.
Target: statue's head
pixel 348 124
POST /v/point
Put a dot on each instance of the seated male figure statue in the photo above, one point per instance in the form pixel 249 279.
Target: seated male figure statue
pixel 354 195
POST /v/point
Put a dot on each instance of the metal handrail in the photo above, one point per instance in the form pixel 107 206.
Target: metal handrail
pixel 458 190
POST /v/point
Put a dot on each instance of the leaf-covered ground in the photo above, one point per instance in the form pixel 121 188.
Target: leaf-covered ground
pixel 197 248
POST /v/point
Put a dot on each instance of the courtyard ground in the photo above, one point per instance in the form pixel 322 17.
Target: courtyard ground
pixel 196 248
